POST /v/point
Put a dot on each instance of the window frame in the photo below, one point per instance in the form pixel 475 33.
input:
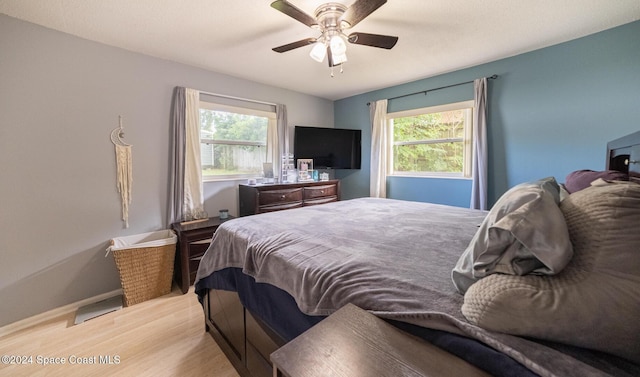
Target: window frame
pixel 467 140
pixel 271 125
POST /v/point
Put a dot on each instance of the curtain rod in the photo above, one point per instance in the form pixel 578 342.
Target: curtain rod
pixel 434 89
pixel 238 98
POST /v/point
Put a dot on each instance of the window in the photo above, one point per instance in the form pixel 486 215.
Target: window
pixel 233 140
pixel 432 141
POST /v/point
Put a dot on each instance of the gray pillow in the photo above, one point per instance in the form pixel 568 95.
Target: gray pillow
pixel 595 301
pixel 524 233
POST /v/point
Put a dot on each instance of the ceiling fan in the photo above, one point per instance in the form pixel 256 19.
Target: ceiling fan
pixel 331 19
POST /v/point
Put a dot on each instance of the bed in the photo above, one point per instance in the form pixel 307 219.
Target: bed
pixel 560 297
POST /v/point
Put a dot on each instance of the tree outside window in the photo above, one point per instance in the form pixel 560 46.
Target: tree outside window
pixel 233 141
pixel 432 141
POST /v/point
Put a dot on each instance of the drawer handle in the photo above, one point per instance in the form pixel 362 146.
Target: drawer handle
pixel 322 191
pixel 282 196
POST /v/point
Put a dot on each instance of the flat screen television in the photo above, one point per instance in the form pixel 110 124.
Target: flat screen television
pixel 330 148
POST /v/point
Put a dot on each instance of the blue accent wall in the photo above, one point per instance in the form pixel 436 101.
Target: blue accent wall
pixel 551 111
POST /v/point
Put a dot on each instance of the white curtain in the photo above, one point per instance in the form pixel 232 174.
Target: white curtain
pixel 192 207
pixel 277 140
pixel 186 195
pixel 379 147
pixel 479 166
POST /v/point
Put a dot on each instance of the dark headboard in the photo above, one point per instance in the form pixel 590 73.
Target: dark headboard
pixel 623 154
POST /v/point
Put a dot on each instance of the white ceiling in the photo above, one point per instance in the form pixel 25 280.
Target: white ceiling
pixel 235 37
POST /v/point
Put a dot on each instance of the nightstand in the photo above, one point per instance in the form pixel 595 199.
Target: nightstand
pixel 194 238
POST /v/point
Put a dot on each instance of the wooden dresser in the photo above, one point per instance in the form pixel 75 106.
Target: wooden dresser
pixel 262 198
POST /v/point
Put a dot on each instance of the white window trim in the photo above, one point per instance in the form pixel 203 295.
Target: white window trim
pixel 468 141
pixel 272 123
pixel 236 109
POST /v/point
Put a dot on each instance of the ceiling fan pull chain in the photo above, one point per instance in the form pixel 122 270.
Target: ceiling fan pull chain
pixel 332 72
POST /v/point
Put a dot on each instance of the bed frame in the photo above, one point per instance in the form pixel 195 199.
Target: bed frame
pixel 623 154
pixel 245 340
pixel 248 342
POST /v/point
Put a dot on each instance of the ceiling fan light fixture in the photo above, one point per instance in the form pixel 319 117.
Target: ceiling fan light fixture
pixel 338 47
pixel 331 19
pixel 339 58
pixel 338 50
pixel 318 52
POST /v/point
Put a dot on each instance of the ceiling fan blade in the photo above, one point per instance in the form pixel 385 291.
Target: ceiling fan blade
pixel 361 9
pixel 290 10
pixel 373 40
pixel 294 45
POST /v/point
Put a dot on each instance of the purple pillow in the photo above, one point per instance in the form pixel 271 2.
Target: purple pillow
pixel 581 179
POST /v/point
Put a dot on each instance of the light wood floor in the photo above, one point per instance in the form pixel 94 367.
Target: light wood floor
pixel 160 337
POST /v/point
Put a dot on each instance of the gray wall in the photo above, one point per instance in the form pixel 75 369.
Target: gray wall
pixel 60 97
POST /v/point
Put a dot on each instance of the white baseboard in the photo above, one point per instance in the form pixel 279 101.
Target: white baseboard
pixel 38 318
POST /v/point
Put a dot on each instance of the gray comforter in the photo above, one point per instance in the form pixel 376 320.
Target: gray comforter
pixel 392 258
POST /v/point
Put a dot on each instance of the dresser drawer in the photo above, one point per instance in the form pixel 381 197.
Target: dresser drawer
pixel 196 251
pixel 279 207
pixel 193 269
pixel 197 248
pixel 314 192
pixel 313 202
pixel 275 197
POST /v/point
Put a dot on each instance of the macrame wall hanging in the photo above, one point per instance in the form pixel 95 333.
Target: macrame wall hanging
pixel 124 169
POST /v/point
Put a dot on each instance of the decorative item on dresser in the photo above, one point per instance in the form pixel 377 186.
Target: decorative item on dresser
pixel 256 199
pixel 194 238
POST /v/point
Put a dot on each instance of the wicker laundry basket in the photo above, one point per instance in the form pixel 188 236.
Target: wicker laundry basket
pixel 145 262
